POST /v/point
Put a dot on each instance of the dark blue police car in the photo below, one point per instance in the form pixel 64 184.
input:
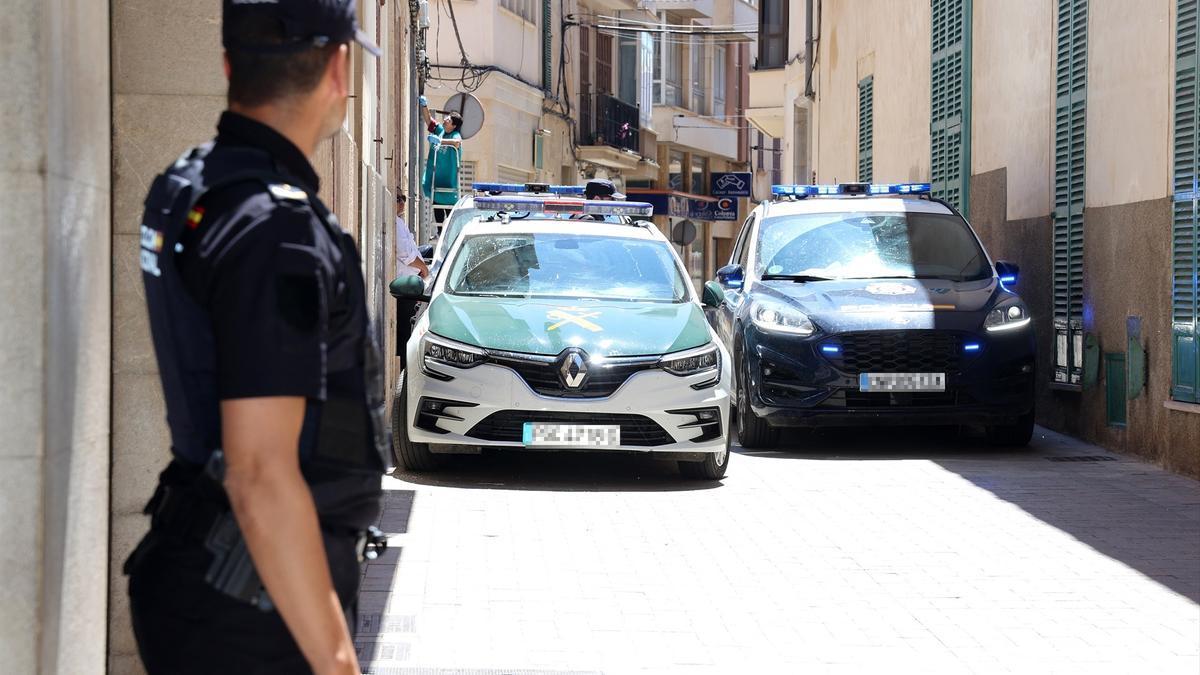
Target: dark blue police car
pixel 872 304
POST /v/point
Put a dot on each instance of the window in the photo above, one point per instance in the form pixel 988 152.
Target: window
pixel 1185 251
pixel 675 171
pixel 772 34
pixel 627 68
pixel 699 170
pixel 604 69
pixel 522 8
pixel 801 173
pixel 719 83
pixel 699 75
pixel 566 266
pixel 1069 138
pixel 668 67
pixel 741 253
pixel 866 128
pixel 950 104
pixel 466 177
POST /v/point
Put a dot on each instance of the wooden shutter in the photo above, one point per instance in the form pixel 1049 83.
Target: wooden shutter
pixel 1185 247
pixel 604 74
pixel 950 101
pixel 866 128
pixel 1070 112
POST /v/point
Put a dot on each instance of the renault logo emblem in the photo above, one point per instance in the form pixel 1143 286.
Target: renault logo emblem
pixel 572 368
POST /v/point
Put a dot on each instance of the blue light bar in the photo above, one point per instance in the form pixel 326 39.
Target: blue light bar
pixel 527 187
pixel 831 349
pixel 551 205
pixel 802 191
pixel 1008 279
pixel 972 347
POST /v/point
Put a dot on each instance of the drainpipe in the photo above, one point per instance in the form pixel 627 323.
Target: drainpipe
pixel 808 49
pixel 416 79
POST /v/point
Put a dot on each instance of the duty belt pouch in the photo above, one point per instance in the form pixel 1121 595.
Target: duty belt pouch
pixel 232 570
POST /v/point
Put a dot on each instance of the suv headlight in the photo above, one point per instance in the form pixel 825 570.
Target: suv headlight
pixel 448 353
pixel 776 317
pixel 1008 315
pixel 693 361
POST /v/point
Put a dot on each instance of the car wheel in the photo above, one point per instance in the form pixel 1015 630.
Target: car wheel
pixel 407 454
pixel 753 431
pixel 712 467
pixel 1017 434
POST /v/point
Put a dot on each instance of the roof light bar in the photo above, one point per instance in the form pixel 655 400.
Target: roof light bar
pixel 545 205
pixel 536 188
pixel 802 191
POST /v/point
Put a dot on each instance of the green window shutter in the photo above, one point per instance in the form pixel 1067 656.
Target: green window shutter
pixel 547 47
pixel 1185 245
pixel 866 128
pixel 1070 113
pixel 950 101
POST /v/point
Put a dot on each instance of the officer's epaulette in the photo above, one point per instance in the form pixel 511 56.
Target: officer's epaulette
pixel 284 191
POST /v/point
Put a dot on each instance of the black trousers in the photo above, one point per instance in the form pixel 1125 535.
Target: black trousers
pixel 405 310
pixel 184 627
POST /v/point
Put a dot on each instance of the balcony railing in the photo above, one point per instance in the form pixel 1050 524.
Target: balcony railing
pixel 607 120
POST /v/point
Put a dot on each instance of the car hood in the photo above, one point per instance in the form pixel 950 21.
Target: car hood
pixel 548 326
pixel 857 304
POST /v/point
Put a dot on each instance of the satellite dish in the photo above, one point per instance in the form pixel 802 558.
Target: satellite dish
pixel 471 110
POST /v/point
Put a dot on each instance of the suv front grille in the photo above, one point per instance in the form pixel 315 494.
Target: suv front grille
pixel 901 351
pixel 509 425
pixel 541 374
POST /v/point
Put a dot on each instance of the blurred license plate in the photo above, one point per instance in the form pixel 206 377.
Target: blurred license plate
pixel 902 382
pixel 572 435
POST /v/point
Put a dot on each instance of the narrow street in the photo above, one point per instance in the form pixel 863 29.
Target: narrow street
pixel 850 552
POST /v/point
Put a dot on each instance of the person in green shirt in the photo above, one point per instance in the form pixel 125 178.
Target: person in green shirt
pixel 441 167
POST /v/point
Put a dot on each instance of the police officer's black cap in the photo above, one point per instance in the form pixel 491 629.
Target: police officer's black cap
pixel 305 24
pixel 601 187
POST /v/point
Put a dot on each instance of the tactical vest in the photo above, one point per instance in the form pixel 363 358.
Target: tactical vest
pixel 343 442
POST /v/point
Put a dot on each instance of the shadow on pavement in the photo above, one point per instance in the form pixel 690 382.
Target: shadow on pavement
pixel 558 471
pixel 380 636
pixel 1128 510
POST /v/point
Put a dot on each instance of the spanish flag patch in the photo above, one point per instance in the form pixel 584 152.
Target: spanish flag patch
pixel 194 216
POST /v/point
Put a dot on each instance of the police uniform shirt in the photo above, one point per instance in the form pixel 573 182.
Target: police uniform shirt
pixel 257 263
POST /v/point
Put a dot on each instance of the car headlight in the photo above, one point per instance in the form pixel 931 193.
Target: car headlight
pixel 448 353
pixel 777 317
pixel 693 361
pixel 1008 315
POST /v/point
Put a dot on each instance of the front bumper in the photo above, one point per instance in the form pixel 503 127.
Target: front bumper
pixel 486 406
pixel 793 383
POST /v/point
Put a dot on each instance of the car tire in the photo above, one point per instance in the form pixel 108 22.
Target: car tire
pixel 753 431
pixel 408 455
pixel 1017 434
pixel 712 467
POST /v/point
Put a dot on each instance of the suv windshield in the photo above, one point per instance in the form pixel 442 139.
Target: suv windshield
pixel 566 266
pixel 870 246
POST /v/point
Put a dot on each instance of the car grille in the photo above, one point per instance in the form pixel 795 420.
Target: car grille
pixel 542 375
pixel 901 351
pixel 508 426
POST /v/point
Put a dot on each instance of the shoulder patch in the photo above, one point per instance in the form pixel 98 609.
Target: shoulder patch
pixel 287 191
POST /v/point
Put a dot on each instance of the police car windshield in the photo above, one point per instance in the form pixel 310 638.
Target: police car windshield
pixel 870 246
pixel 463 215
pixel 566 265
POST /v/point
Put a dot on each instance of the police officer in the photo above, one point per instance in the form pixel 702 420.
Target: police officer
pixel 272 384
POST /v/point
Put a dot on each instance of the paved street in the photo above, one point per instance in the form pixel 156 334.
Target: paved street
pixel 858 552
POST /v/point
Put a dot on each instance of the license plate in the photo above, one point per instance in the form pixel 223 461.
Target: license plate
pixel 571 435
pixel 902 382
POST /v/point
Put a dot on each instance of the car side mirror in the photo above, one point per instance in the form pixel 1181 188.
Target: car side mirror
pixel 731 276
pixel 1007 272
pixel 408 287
pixel 426 251
pixel 713 294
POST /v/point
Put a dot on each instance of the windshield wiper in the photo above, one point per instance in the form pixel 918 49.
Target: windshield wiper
pixel 798 278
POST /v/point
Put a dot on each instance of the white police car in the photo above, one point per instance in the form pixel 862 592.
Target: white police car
pixel 562 334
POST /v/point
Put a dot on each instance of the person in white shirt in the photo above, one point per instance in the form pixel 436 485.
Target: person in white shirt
pixel 408 263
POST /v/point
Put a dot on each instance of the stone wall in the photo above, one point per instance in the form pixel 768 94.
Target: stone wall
pixel 54 278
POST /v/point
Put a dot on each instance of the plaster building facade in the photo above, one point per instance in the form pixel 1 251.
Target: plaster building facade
pixel 95 112
pixel 1066 133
